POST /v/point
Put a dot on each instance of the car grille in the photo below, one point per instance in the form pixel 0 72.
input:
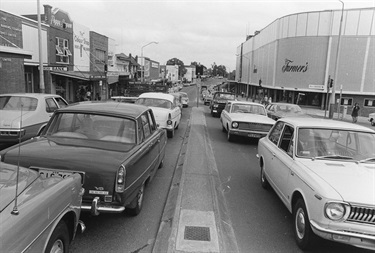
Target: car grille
pixel 254 126
pixel 10 133
pixel 362 215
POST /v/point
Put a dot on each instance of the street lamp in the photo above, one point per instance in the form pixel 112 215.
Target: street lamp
pixel 143 60
pixel 332 100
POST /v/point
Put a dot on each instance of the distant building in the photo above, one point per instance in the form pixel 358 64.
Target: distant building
pixel 293 58
pixel 190 73
pixel 172 73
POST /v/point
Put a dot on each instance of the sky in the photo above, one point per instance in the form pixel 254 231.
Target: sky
pixel 203 31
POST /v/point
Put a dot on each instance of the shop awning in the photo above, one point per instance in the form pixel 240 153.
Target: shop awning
pixel 112 79
pixel 73 74
pixel 13 52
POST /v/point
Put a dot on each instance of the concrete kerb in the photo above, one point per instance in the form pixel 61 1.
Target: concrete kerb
pixel 200 196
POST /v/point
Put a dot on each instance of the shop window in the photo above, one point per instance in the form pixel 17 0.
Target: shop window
pixel 62 50
pixel 100 56
pixel 369 102
pixel 346 101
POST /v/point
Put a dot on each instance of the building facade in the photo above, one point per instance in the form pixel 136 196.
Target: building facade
pixel 294 59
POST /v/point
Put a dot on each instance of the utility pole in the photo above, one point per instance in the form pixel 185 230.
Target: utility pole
pixel 41 69
pixel 333 96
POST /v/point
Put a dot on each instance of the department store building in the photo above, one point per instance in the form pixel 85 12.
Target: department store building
pixel 293 60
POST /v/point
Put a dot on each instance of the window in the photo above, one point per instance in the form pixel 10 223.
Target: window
pixel 61 102
pixel 346 101
pixel 100 56
pixel 152 123
pixel 369 102
pixel 62 50
pixel 146 126
pixel 276 132
pixel 286 140
pixel 51 105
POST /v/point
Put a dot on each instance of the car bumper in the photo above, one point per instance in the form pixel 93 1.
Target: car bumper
pixel 250 134
pixel 362 240
pixel 96 207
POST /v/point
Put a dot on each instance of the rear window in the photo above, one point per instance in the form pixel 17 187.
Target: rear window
pixel 15 103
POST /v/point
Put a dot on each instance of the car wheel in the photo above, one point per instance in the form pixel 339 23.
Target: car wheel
pixel 170 134
pixel 137 202
pixel 372 122
pixel 59 240
pixel 161 164
pixel 229 136
pixel 303 233
pixel 263 179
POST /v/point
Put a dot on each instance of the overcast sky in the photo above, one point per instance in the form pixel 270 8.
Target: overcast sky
pixel 204 31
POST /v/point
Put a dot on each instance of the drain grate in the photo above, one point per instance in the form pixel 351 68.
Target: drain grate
pixel 197 233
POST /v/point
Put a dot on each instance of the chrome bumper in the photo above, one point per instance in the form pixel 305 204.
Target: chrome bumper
pixel 361 240
pixel 95 208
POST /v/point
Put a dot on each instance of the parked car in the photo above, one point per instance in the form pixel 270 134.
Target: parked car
pixel 166 110
pixel 185 99
pixel 323 171
pixel 280 110
pixel 124 99
pixel 179 99
pixel 246 119
pixel 219 101
pixel 208 98
pixel 44 217
pixel 371 118
pixel 117 145
pixel 24 115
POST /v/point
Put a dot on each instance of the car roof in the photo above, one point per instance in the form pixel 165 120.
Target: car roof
pixel 107 107
pixel 244 102
pixel 157 95
pixel 33 95
pixel 324 123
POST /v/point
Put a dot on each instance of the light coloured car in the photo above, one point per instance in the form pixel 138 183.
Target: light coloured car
pixel 45 215
pixel 280 110
pixel 324 172
pixel 24 115
pixel 246 119
pixel 179 98
pixel 166 110
pixel 184 99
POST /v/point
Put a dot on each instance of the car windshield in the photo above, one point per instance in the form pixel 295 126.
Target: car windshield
pixel 15 103
pixel 154 102
pixel 93 127
pixel 288 108
pixel 247 108
pixel 224 96
pixel 335 144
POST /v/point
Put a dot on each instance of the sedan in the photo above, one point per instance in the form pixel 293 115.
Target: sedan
pixel 247 119
pixel 39 210
pixel 24 115
pixel 185 99
pixel 323 171
pixel 117 145
pixel 166 110
pixel 280 110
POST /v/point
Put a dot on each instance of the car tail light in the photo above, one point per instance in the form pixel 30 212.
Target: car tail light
pixel 169 121
pixel 120 179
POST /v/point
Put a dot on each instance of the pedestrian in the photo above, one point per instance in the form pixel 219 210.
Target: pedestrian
pixel 270 100
pixel 88 95
pixel 355 112
pixel 242 94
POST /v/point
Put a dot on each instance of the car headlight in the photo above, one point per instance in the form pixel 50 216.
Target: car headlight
pixel 335 211
pixel 234 125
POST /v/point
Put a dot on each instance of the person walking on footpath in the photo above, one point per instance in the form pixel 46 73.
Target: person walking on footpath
pixel 355 112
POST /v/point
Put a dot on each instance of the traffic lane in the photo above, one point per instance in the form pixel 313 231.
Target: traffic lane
pixel 123 233
pixel 260 220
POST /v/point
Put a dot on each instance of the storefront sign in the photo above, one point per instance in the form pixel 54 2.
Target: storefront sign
pixel 316 86
pixel 56 68
pixel 288 67
pixel 97 77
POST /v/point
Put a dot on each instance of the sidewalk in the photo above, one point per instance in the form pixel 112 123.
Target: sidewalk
pixel 200 222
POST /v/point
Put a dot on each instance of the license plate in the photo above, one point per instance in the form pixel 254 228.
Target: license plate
pixel 254 135
pixel 54 173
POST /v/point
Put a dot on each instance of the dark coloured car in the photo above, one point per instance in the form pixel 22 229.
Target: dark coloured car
pixel 219 101
pixel 281 110
pixel 118 145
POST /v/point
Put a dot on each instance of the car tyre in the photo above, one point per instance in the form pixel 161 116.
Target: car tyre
pixel 59 240
pixel 303 233
pixel 263 179
pixel 137 202
pixel 170 134
pixel 229 136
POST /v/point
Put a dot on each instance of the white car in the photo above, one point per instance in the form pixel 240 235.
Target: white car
pixel 324 172
pixel 165 108
pixel 185 99
pixel 247 119
pixel 371 118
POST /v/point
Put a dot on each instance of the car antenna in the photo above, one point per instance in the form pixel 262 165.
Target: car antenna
pixel 15 208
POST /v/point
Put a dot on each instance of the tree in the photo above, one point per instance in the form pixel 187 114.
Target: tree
pixel 181 67
pixel 220 70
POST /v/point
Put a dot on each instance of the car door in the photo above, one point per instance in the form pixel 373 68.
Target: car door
pixel 282 160
pixel 225 119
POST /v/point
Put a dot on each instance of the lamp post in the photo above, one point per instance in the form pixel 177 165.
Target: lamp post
pixel 143 60
pixel 332 100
